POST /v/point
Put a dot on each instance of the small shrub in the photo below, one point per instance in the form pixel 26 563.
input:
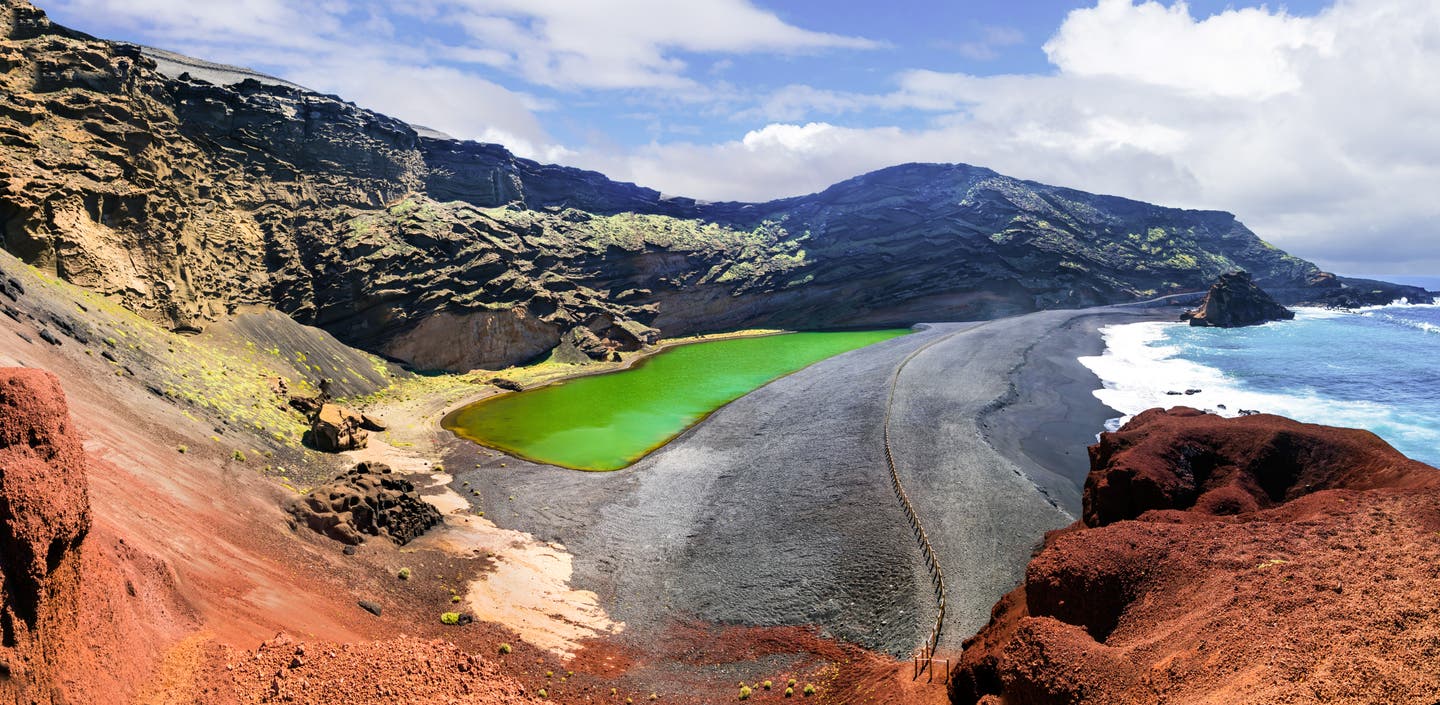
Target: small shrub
pixel 505 649
pixel 183 449
pixel 549 674
pixel 789 692
pixel 237 456
pixel 745 692
pixel 767 685
pixel 791 683
pixel 451 618
pixel 455 599
pixel 543 694
pixel 404 574
pixel 809 690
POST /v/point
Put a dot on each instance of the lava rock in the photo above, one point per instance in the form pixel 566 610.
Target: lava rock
pixel 44 519
pixel 1235 300
pixel 367 500
pixel 1200 533
pixel 507 384
pixel 370 607
pixel 581 345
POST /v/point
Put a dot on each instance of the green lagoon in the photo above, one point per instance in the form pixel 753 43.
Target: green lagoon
pixel 606 422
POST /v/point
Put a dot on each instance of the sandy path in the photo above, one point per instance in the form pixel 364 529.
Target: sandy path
pixel 528 586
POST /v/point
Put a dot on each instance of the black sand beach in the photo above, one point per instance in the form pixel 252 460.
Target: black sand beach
pixel 778 509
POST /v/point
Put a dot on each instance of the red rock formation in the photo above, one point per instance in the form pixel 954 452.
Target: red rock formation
pixel 84 616
pixel 44 515
pixel 1227 560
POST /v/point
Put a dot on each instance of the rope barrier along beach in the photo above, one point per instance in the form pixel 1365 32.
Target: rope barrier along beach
pixel 925 656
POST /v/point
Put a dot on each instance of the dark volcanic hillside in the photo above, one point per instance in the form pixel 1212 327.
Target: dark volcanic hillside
pixel 189 202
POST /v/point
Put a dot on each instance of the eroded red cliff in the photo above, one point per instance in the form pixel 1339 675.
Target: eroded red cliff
pixel 82 615
pixel 1221 560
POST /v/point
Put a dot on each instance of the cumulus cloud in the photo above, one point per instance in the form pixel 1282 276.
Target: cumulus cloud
pixel 1244 53
pixel 1322 133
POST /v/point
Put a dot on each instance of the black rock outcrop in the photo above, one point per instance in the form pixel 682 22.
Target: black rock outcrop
pixel 1235 300
pixel 368 500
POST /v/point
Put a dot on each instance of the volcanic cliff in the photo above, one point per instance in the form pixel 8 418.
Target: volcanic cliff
pixel 1254 559
pixel 190 201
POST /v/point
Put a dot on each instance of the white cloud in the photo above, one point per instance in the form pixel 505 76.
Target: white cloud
pixel 438 97
pixel 1243 53
pixel 1322 133
pixel 628 43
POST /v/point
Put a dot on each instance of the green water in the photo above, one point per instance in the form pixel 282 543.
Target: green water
pixel 606 422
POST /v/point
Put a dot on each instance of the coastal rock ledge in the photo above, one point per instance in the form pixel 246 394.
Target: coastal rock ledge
pixel 1236 300
pixel 1255 559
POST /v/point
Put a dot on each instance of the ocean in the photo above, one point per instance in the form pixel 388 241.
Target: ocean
pixel 1376 368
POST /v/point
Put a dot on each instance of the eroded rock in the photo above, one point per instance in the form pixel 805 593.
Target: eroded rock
pixel 335 429
pixel 44 517
pixel 1234 301
pixel 368 500
pixel 1209 542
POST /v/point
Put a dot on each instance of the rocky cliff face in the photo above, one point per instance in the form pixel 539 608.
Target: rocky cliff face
pixel 1254 559
pixel 189 201
pixel 44 517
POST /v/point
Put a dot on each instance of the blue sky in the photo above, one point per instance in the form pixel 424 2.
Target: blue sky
pixel 1317 122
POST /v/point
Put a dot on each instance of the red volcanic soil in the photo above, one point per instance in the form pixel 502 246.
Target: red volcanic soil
pixel 1255 559
pixel 135 573
pixel 65 587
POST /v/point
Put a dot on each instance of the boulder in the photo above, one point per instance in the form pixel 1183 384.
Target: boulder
pixel 580 345
pixel 371 423
pixel 308 406
pixel 507 384
pixel 1235 300
pixel 336 429
pixel 368 500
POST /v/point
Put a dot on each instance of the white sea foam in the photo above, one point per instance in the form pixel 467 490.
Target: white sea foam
pixel 1139 371
pixel 1402 321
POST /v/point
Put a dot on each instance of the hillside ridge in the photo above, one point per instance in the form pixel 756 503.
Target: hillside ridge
pixel 189 202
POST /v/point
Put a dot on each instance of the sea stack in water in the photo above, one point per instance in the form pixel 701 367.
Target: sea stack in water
pixel 1235 300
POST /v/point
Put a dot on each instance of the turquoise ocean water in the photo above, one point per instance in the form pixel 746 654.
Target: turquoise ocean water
pixel 1375 368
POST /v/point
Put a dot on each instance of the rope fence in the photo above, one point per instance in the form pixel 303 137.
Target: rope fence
pixel 924 658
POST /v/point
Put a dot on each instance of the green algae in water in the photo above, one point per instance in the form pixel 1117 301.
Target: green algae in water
pixel 609 421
